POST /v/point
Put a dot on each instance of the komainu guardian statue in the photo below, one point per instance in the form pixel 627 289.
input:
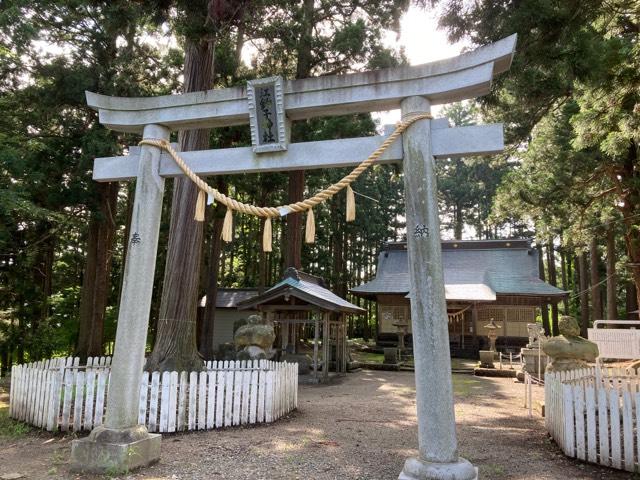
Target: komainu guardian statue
pixel 254 340
pixel 569 350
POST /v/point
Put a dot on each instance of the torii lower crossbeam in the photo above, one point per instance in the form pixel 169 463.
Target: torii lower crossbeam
pixel 446 142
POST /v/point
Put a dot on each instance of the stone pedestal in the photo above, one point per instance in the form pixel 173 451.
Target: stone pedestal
pixel 416 469
pixel 530 360
pixel 390 356
pixel 305 362
pixel 113 452
pixel 486 358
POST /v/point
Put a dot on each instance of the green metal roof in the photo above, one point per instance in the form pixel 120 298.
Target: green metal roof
pixel 473 271
pixel 305 287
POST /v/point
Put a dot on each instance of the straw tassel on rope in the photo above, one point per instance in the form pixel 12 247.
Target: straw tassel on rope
pixel 201 203
pixel 266 235
pixel 310 230
pixel 351 204
pixel 227 226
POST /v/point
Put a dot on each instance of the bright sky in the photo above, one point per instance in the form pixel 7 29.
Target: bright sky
pixel 423 43
pixel 420 37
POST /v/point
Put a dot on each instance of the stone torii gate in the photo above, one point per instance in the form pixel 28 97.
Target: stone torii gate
pixel 121 444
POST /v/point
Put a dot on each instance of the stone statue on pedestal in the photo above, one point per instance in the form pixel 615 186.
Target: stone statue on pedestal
pixel 536 335
pixel 254 340
pixel 533 358
pixel 569 350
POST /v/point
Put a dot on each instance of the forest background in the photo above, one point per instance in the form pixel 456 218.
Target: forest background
pixel 569 178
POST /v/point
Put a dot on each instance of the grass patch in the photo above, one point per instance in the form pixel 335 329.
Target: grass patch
pixel 465 385
pixel 463 363
pixel 368 357
pixel 492 470
pixel 10 427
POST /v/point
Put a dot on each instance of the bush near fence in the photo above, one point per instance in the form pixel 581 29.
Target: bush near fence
pixel 593 414
pixel 59 394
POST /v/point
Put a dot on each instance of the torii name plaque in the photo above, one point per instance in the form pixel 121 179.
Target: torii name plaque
pixel 266 114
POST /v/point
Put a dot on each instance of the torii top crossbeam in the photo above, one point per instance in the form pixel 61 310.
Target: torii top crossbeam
pixel 466 76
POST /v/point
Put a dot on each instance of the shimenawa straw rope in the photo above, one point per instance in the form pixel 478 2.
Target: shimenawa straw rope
pixel 273 212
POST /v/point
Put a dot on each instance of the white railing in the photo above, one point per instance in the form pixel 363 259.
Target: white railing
pixel 510 358
pixel 529 381
pixel 616 343
pixel 593 415
pixel 60 394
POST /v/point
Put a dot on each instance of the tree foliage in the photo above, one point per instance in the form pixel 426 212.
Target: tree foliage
pixel 571 104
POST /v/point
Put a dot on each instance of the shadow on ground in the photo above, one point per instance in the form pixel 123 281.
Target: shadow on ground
pixel 363 427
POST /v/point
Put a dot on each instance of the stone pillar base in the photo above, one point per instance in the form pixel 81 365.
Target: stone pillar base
pixel 114 452
pixel 486 358
pixel 417 469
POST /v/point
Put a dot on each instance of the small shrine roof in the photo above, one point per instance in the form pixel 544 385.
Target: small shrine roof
pixel 304 287
pixel 230 297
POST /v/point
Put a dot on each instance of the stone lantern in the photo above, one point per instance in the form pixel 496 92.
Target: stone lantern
pixel 492 334
pixel 486 356
pixel 403 328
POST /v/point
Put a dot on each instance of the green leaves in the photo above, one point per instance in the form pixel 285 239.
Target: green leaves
pixel 569 103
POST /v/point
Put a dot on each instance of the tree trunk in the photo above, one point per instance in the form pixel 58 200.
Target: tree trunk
pixel 596 293
pixel 544 308
pixel 42 271
pixel 206 339
pixel 262 268
pixel 629 205
pixel 612 294
pixel 458 222
pixel 97 272
pixel 337 251
pixel 263 260
pixel 583 283
pixel 293 256
pixel 304 62
pixel 632 302
pixel 293 253
pixel 5 367
pixel 565 282
pixel 553 280
pixel 175 347
pixel 35 303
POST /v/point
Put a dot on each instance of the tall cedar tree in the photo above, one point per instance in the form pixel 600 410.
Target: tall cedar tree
pixel 48 144
pixel 175 347
pixel 350 40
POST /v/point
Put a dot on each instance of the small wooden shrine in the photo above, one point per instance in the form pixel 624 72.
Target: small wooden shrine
pixel 300 307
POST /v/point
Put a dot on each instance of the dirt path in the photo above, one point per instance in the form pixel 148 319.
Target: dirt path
pixel 362 428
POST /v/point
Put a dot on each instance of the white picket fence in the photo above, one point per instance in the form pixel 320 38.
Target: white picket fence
pixel 616 343
pixel 593 414
pixel 59 394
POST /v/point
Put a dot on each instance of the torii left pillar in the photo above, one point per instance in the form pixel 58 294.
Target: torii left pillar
pixel 121 445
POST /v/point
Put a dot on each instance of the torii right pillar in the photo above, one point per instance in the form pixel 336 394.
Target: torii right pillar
pixel 438 459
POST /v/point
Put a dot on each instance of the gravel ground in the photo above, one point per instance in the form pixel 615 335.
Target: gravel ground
pixel 361 428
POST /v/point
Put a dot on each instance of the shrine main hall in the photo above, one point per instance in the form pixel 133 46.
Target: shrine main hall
pixel 484 279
